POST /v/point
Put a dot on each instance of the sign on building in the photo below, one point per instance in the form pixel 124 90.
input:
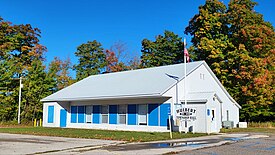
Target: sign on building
pixel 186 113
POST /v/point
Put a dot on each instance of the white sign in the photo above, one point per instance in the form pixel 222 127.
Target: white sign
pixel 187 113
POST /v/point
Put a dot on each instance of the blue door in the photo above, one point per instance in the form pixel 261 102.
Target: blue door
pixel 63 118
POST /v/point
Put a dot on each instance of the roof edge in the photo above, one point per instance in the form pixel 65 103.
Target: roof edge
pixel 156 95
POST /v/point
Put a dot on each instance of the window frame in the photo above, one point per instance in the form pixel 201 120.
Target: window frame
pixel 122 114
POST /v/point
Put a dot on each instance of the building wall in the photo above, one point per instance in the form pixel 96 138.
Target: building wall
pixel 202 81
pixel 157 115
pixel 55 117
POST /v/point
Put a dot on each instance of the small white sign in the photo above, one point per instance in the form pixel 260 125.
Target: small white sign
pixel 186 113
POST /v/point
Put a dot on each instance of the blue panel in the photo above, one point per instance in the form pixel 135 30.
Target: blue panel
pixel 63 118
pixel 96 114
pixel 73 114
pixel 113 114
pixel 81 114
pixel 208 112
pixel 153 119
pixel 132 114
pixel 50 114
pixel 164 114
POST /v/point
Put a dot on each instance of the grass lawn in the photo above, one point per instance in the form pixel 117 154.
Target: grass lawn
pixel 97 134
pixel 250 129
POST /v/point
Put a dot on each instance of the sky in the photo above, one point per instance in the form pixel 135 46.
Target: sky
pixel 66 24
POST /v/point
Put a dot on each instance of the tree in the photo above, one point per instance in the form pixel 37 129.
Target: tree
pixel 252 61
pixel 36 86
pixel 239 47
pixel 91 60
pixel 59 72
pixel 165 50
pixel 210 38
pixel 19 50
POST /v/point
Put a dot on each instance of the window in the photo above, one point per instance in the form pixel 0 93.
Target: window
pixel 122 114
pixel 89 111
pixel 213 114
pixel 142 114
pixel 104 113
pixel 73 114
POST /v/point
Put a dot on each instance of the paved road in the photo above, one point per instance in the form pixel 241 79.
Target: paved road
pixel 261 146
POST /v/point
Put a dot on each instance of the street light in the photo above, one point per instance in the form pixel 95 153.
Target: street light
pixel 19 100
pixel 177 100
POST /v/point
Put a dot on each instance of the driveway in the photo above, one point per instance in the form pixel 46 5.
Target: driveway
pixel 215 145
pixel 30 144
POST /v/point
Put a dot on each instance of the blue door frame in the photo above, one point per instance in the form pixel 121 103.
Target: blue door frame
pixel 63 118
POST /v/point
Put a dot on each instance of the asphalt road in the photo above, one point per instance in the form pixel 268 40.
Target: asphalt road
pixel 260 146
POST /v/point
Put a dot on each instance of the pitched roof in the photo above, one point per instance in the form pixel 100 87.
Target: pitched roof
pixel 149 82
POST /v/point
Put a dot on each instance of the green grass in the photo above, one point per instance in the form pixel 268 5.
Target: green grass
pixel 97 134
pixel 250 129
pixel 261 124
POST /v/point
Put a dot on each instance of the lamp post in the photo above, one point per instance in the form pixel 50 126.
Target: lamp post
pixel 19 100
pixel 177 94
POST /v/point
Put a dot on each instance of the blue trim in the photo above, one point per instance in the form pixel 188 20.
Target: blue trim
pixel 96 114
pixel 73 114
pixel 50 114
pixel 113 114
pixel 132 114
pixel 63 118
pixel 80 114
pixel 153 112
pixel 164 114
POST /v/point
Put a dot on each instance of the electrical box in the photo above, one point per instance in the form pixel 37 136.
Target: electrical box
pixel 228 124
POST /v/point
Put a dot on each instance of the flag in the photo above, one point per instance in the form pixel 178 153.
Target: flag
pixel 186 54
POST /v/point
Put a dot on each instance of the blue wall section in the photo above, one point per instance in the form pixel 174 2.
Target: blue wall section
pixel 73 114
pixel 164 111
pixel 96 114
pixel 113 114
pixel 153 119
pixel 80 114
pixel 63 118
pixel 132 114
pixel 50 114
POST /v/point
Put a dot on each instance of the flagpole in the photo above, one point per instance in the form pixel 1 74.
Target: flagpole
pixel 185 101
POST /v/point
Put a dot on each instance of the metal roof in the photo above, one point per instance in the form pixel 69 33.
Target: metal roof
pixel 149 82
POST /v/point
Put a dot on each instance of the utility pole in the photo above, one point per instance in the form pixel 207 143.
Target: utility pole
pixel 19 100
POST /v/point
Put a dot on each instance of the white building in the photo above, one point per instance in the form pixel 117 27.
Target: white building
pixel 143 99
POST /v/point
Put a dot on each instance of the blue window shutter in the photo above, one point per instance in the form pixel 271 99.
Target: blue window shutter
pixel 96 114
pixel 63 118
pixel 153 111
pixel 80 114
pixel 113 114
pixel 73 114
pixel 50 114
pixel 132 114
pixel 164 114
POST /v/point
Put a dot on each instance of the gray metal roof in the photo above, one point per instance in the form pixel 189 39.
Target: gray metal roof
pixel 149 82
